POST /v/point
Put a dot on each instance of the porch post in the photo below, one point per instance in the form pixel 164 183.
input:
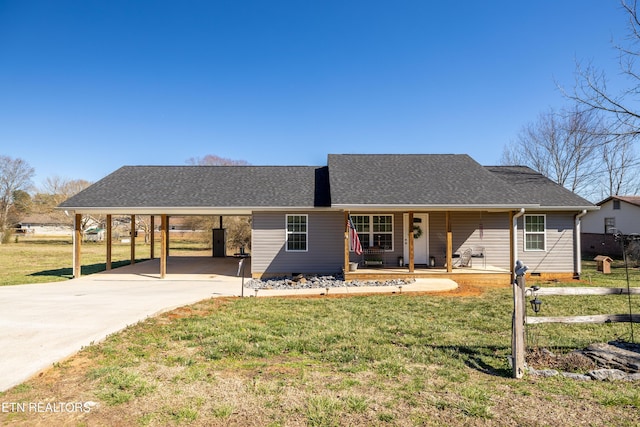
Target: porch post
pixel 109 243
pixel 164 225
pixel 168 235
pixel 346 242
pixel 411 254
pixel 152 238
pixel 77 245
pixel 447 221
pixel 133 239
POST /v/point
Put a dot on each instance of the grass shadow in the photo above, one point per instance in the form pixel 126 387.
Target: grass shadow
pixel 475 357
pixel 67 272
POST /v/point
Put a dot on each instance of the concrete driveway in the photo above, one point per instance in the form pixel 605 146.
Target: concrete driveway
pixel 41 324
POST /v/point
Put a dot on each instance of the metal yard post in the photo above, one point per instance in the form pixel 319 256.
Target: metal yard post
pixel 241 272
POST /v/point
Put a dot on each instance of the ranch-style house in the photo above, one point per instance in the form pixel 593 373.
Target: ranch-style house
pixel 415 214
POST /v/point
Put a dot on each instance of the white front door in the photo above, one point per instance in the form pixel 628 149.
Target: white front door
pixel 420 240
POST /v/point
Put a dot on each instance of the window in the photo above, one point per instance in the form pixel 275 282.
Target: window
pixel 374 230
pixel 534 233
pixel 616 205
pixel 297 233
pixel 609 225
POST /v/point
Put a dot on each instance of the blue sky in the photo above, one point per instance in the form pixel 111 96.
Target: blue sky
pixel 89 86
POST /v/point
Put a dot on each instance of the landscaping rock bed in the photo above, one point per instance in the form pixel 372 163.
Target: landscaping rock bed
pixel 615 361
pixel 310 282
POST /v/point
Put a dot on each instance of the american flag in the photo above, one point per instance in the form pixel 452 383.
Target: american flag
pixel 353 238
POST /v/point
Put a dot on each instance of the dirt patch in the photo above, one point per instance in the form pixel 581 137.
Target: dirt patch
pixel 542 358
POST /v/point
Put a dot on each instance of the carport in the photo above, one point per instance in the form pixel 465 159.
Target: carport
pixel 161 192
pixel 163 256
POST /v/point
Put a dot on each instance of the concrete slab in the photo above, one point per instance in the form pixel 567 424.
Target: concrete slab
pixel 45 323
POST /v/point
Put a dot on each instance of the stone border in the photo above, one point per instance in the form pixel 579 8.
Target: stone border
pixel 596 374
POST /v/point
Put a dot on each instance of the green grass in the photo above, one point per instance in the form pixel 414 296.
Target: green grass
pixel 42 260
pixel 362 360
pixel 375 360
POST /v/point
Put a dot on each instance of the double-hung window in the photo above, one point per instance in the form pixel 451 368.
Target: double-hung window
pixel 297 233
pixel 534 233
pixel 609 225
pixel 374 230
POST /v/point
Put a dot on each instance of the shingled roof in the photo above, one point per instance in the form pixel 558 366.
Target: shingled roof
pixel 241 188
pixel 373 181
pixel 404 180
pixel 634 200
pixel 534 186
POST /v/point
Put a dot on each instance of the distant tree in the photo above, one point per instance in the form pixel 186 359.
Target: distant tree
pixel 15 176
pixel 22 202
pixel 591 91
pixel 60 189
pixel 620 167
pixel 213 160
pixel 562 146
pixel 239 232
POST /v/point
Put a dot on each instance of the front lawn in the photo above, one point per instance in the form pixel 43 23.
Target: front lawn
pixel 397 360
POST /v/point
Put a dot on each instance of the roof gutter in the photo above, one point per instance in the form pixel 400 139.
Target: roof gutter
pixel 577 251
pixel 514 236
pixel 443 207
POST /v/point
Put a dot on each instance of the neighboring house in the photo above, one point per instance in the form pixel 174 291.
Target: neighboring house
pixel 617 214
pixel 451 203
pixel 94 235
pixel 44 225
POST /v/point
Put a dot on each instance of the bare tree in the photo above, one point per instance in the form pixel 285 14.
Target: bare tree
pixel 560 145
pixel 213 160
pixel 62 188
pixel 619 163
pixel 591 91
pixel 15 175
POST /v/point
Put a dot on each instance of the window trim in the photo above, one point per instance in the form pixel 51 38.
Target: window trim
pixel 289 233
pixel 527 233
pixel 371 232
pixel 609 228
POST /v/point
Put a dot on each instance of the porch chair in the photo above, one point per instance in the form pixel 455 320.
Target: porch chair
pixel 465 258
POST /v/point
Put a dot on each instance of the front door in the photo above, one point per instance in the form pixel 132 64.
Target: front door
pixel 420 238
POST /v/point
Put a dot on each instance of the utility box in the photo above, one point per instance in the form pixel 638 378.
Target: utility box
pixel 219 242
pixel 603 263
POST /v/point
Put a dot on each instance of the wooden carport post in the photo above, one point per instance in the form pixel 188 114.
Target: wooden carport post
pixel 164 225
pixel 346 242
pixel 447 221
pixel 109 247
pixel 133 239
pixel 77 245
pixel 152 239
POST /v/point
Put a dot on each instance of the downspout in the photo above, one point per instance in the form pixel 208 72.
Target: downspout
pixel 577 253
pixel 514 241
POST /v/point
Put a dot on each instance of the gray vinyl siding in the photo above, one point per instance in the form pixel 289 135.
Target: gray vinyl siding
pixel 326 241
pixel 558 256
pixel 466 234
pixel 325 249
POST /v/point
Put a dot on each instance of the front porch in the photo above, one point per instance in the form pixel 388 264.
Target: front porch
pixel 488 275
